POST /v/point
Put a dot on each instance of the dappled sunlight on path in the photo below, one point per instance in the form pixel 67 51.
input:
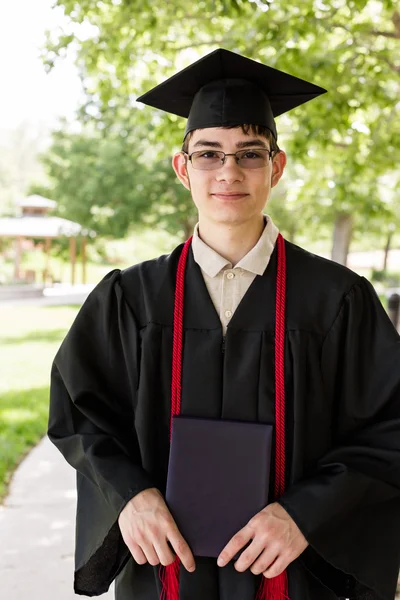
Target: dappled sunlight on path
pixel 37 527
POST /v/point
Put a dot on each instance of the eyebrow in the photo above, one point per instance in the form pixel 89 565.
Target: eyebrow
pixel 244 144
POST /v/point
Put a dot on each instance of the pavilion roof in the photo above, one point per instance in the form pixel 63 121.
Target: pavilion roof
pixel 40 226
pixel 36 201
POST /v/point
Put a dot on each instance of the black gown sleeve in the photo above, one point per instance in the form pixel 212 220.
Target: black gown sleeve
pixel 91 421
pixel 349 508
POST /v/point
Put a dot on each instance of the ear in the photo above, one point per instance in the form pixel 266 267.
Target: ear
pixel 278 166
pixel 179 164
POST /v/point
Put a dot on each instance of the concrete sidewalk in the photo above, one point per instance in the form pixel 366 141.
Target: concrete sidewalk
pixel 58 295
pixel 37 528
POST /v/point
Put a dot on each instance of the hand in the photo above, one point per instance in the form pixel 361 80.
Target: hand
pixel 277 541
pixel 147 525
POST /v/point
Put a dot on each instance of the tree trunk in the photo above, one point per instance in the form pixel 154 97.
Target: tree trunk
pixel 387 250
pixel 342 237
pixel 292 234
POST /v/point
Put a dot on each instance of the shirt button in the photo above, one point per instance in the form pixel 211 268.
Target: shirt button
pixel 231 275
pixel 228 313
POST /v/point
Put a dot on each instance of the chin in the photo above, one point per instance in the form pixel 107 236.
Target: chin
pixel 229 218
pixel 233 212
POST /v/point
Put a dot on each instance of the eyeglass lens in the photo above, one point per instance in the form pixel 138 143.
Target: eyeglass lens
pixel 247 159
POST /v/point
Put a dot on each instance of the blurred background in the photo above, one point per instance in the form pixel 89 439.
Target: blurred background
pixel 86 186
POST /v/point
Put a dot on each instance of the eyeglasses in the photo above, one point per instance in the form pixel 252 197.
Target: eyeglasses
pixel 207 160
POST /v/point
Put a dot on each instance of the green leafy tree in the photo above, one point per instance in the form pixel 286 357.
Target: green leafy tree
pixel 107 183
pixel 343 142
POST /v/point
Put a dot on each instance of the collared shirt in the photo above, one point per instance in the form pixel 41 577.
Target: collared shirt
pixel 227 284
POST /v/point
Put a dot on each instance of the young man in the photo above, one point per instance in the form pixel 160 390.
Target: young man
pixel 250 329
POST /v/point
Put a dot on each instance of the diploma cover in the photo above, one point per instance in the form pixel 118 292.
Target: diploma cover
pixel 218 478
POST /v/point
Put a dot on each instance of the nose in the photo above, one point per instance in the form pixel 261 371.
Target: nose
pixel 229 171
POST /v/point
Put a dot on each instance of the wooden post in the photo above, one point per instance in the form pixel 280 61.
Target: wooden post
pixel 83 249
pixel 17 257
pixel 47 263
pixel 72 252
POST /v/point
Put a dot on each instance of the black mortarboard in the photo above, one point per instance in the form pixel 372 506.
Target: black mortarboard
pixel 225 88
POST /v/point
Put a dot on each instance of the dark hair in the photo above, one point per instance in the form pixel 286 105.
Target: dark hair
pixel 247 129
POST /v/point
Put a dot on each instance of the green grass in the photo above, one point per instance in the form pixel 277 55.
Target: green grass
pixel 29 339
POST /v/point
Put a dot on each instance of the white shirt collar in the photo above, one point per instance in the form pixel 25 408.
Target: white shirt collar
pixel 255 261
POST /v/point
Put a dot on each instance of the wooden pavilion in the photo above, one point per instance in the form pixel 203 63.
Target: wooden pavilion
pixel 35 222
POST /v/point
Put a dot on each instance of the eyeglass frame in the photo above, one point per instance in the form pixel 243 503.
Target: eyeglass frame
pixel 223 160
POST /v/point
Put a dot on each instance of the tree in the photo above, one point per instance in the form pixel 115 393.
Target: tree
pixel 106 182
pixel 345 140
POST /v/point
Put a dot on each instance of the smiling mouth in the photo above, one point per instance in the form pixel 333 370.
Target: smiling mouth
pixel 229 195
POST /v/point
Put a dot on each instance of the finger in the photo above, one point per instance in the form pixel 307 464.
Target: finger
pixel 164 552
pixel 137 553
pixel 249 555
pixel 276 568
pixel 150 553
pixel 182 549
pixel 239 540
pixel 264 561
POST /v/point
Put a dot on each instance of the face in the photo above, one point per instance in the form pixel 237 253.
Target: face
pixel 229 194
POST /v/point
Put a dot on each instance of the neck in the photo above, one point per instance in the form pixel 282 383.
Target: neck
pixel 232 241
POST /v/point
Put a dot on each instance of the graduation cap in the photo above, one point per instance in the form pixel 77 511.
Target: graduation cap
pixel 226 89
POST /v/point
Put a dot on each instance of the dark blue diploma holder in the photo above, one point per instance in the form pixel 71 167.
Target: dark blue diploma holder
pixel 218 478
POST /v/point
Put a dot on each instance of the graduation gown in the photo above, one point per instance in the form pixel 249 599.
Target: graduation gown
pixel 110 411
